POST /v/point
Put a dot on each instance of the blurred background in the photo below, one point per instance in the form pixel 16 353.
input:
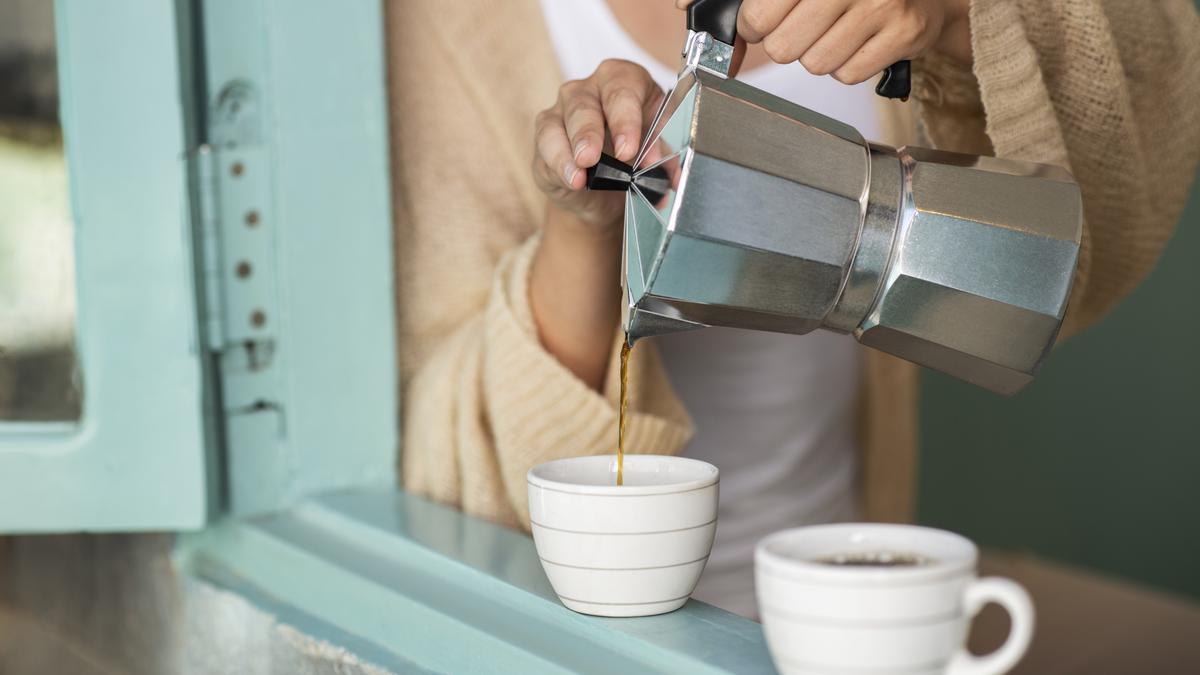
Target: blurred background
pixel 37 283
pixel 1095 464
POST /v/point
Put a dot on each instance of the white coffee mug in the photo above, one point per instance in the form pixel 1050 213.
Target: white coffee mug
pixel 820 616
pixel 623 550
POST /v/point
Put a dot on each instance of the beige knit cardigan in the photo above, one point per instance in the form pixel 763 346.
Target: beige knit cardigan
pixel 1108 88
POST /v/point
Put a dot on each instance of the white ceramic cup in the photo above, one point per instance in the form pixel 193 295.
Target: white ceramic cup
pixel 631 550
pixel 851 619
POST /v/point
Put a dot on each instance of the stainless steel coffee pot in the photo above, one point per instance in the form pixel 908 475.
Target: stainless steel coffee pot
pixel 745 210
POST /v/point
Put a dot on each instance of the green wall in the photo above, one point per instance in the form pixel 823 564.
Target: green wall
pixel 1098 461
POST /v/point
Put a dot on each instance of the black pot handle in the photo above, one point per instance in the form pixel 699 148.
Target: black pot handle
pixel 719 19
pixel 896 81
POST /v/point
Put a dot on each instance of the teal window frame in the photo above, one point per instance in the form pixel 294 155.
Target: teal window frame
pixel 270 444
pixel 413 586
pixel 138 458
pixel 290 179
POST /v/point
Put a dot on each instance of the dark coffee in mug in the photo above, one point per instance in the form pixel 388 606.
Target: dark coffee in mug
pixel 876 559
pixel 875 598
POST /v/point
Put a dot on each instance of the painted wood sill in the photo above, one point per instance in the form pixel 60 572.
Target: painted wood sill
pixel 413 585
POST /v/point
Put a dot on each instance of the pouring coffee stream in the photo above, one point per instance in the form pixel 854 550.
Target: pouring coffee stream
pixel 745 210
pixel 626 348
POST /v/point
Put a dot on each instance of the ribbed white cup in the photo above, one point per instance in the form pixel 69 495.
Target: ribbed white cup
pixel 631 550
pixel 821 618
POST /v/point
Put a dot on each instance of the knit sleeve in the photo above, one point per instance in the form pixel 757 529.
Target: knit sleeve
pixel 1105 88
pixel 491 402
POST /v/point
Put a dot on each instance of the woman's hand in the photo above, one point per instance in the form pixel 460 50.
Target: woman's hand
pixel 619 97
pixel 574 283
pixel 854 40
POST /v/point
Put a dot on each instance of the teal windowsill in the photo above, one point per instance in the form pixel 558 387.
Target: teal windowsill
pixel 416 586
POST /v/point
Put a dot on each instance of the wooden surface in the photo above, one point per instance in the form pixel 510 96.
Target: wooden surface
pixel 1088 624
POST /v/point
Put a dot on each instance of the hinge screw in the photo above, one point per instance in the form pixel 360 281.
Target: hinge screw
pixel 258 318
pixel 237 169
pixel 243 269
pixel 251 218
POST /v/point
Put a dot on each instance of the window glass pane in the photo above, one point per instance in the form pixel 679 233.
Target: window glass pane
pixel 38 373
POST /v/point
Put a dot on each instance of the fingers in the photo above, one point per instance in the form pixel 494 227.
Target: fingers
pixel 877 53
pixel 759 18
pixel 614 97
pixel 840 42
pixel 802 28
pixel 570 136
pixel 583 120
pixel 625 91
pixel 902 35
pixel 555 159
pixel 851 39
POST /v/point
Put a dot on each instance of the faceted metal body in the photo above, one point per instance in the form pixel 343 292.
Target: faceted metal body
pixel 778 218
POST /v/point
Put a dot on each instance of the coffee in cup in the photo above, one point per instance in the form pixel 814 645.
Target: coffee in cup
pixel 876 559
pixel 852 598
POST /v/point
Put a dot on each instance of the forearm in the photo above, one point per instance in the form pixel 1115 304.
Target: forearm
pixel 574 293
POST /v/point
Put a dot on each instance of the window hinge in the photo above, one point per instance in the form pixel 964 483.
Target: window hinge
pixel 234 178
pixel 209 243
pixel 237 247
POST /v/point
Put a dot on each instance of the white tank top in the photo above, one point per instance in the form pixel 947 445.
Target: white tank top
pixel 775 413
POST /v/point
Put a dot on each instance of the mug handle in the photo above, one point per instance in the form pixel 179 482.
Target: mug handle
pixel 1009 595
